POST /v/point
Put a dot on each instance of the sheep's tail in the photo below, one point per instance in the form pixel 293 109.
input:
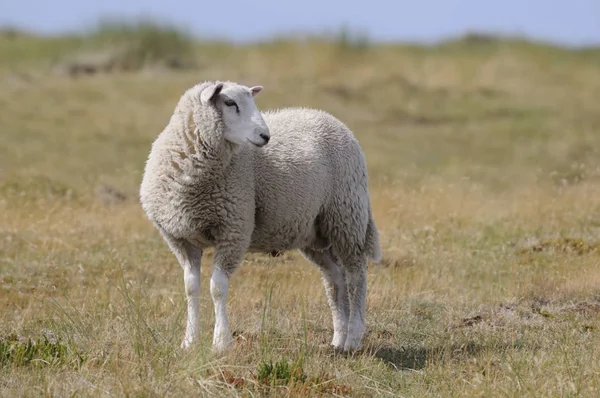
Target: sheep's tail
pixel 372 245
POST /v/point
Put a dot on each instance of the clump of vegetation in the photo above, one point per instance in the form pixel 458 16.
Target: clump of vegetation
pixel 41 351
pixel 351 39
pixel 279 373
pixel 567 245
pixel 122 46
pixel 290 376
pixel 146 41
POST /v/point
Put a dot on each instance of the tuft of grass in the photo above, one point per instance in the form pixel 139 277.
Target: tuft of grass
pixel 144 42
pixel 40 351
pixel 348 39
pixel 575 246
pixel 111 45
pixel 279 373
pixel 277 377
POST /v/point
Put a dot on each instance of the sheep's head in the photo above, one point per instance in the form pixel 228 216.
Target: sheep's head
pixel 243 121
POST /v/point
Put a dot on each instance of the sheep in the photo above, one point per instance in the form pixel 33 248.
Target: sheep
pixel 211 181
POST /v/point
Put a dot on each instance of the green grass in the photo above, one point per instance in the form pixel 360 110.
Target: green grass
pixel 484 174
pixel 33 352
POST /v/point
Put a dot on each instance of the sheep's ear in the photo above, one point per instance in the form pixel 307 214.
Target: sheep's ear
pixel 255 90
pixel 210 93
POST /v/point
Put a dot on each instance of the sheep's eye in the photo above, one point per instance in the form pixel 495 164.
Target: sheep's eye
pixel 230 103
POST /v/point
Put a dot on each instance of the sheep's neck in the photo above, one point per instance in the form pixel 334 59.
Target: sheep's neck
pixel 203 150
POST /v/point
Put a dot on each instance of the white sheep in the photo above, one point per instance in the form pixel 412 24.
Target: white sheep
pixel 211 181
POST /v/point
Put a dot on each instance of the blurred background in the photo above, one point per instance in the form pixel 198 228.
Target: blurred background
pixel 498 92
pixel 439 86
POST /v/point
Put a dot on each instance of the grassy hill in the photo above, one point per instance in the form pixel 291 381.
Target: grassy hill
pixel 484 162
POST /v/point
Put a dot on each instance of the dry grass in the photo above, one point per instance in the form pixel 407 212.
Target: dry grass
pixel 484 171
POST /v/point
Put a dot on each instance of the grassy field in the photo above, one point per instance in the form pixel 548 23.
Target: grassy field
pixel 484 167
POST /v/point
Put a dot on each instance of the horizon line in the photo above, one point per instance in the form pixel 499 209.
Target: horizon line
pixel 300 34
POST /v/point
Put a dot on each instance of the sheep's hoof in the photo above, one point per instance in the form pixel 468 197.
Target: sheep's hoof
pixel 345 350
pixel 338 341
pixel 221 345
pixel 186 344
pixel 352 346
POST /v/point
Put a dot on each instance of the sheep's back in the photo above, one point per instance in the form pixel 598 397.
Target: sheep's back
pixel 299 172
pixel 304 136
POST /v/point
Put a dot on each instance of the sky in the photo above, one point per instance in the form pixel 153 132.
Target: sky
pixel 574 22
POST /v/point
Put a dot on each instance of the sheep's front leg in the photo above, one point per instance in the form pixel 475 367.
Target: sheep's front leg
pixel 189 258
pixel 225 263
pixel 219 288
pixel 191 277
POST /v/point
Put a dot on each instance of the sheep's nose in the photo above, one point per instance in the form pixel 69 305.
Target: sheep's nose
pixel 265 137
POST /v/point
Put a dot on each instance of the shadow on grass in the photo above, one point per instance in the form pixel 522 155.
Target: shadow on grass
pixel 417 358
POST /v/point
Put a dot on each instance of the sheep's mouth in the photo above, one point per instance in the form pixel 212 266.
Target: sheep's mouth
pixel 257 144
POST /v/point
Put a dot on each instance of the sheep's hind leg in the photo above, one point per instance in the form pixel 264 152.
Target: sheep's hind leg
pixel 356 280
pixel 189 258
pixel 224 264
pixel 334 283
